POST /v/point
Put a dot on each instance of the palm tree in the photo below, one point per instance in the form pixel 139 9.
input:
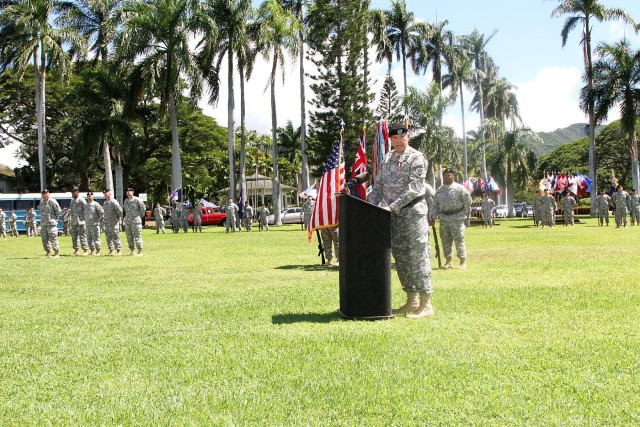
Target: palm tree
pixel 155 39
pixel 278 33
pixel 616 80
pixel 581 13
pixel 435 50
pixel 27 34
pixel 231 39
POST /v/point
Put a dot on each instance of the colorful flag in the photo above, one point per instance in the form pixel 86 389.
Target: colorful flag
pixel 206 204
pixel 468 186
pixel 572 186
pixel 380 146
pixel 360 166
pixel 492 186
pixel 312 191
pixel 176 195
pixel 325 211
pixel 241 200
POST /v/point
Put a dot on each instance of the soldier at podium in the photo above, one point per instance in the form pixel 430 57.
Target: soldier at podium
pixel 399 187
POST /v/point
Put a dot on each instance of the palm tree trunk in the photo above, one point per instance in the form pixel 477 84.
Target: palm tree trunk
pixel 633 148
pixel 40 73
pixel 464 137
pixel 119 179
pixel 243 139
pixel 592 120
pixel 274 134
pixel 176 162
pixel 231 129
pixel 303 120
pixel 106 155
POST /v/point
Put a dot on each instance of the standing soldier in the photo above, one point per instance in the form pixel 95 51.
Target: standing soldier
pixel 247 216
pixel 621 202
pixel 307 211
pixel 567 204
pixel 158 214
pixel 548 209
pixel 602 207
pixel 3 230
pixel 66 220
pixel 13 221
pixel 487 211
pixel 330 243
pixel 49 213
pixel 78 229
pixel 197 219
pixel 93 215
pixel 634 207
pixel 232 211
pixel 30 223
pixel 184 219
pixel 134 210
pixel 263 223
pixel 537 209
pixel 112 217
pixel 175 219
pixel 452 204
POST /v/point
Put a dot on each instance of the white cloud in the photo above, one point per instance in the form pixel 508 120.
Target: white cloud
pixel 8 155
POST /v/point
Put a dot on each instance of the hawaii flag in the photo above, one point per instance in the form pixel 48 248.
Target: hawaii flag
pixel 325 211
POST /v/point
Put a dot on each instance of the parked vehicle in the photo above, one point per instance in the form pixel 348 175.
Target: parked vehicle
pixel 529 211
pixel 210 216
pixel 517 207
pixel 291 215
pixel 501 211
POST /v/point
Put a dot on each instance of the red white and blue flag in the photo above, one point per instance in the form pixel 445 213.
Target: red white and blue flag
pixel 360 166
pixel 176 195
pixel 325 211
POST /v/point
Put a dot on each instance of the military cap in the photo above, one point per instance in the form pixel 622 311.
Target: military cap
pixel 75 189
pixel 106 190
pixel 449 170
pixel 89 193
pixel 130 189
pixel 546 189
pixel 44 191
pixel 398 129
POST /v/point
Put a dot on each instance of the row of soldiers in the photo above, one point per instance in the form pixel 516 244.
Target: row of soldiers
pixel 178 218
pixel 234 219
pixel 12 220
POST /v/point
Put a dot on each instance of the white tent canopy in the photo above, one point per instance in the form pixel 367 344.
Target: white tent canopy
pixel 259 186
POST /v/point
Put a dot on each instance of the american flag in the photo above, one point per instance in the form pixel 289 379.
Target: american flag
pixel 325 211
pixel 360 165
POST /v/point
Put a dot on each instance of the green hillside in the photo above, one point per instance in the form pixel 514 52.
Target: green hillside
pixel 551 140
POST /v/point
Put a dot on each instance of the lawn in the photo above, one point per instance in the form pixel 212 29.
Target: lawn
pixel 218 329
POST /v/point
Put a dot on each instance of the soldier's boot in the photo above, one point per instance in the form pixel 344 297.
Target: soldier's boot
pixel 91 253
pixel 48 255
pixel 56 254
pixel 410 306
pixel 139 252
pixel 97 252
pixel 463 263
pixel 75 252
pixel 110 252
pixel 425 309
pixel 84 253
pixel 133 253
pixel 447 265
pixel 118 253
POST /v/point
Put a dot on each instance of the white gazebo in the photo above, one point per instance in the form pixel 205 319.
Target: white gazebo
pixel 259 186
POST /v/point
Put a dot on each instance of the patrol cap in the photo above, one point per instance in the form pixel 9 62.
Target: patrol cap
pixel 398 128
pixel 44 191
pixel 449 170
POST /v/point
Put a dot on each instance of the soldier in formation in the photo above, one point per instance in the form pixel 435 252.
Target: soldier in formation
pixel 603 202
pixel 400 188
pixel 112 217
pixel 231 210
pixel 134 210
pixel 537 209
pixel 158 215
pixel 263 223
pixel 621 203
pixel 93 215
pixel 184 219
pixel 30 223
pixel 487 211
pixel 567 204
pixel 66 221
pixel 548 209
pixel 307 211
pixel 13 221
pixel 634 207
pixel 49 213
pixel 174 218
pixel 247 216
pixel 78 224
pixel 197 220
pixel 452 204
pixel 3 229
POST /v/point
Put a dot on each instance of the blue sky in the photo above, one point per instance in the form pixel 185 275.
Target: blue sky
pixel 527 48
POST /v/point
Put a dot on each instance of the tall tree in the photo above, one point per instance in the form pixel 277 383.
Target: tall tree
pixel 616 80
pixel 278 31
pixel 155 39
pixel 28 33
pixel 582 13
pixel 389 101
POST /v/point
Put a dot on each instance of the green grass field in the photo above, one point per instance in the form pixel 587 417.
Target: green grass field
pixel 543 329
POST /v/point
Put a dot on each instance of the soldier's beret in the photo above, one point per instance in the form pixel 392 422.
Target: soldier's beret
pixel 398 129
pixel 546 189
pixel 449 170
pixel 129 189
pixel 75 189
pixel 89 193
pixel 45 191
pixel 106 190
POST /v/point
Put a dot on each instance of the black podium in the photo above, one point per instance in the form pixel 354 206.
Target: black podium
pixel 365 260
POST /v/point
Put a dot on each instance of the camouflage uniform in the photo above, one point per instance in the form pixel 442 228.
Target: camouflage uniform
pixel 330 240
pixel 30 223
pixel 158 214
pixel 49 213
pixel 548 210
pixel 621 202
pixel 93 215
pixel 66 219
pixel 3 229
pixel 262 221
pixel 247 217
pixel 134 210
pixel 78 229
pixel 13 225
pixel 487 212
pixel 184 219
pixel 537 209
pixel 112 216
pixel 230 223
pixel 602 207
pixel 452 204
pixel 634 208
pixel 567 204
pixel 399 184
pixel 307 211
pixel 175 220
pixel 197 219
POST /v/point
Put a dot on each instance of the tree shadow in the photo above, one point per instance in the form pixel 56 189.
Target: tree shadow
pixel 290 318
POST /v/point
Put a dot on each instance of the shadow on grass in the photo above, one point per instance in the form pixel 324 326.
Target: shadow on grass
pixel 289 318
pixel 314 267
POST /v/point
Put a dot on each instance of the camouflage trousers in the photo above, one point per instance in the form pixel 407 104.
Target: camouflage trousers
pixel 567 217
pixel 263 224
pixel 159 226
pixel 112 231
pixel 411 251
pixel 65 228
pixel 134 235
pixel 13 230
pixel 3 230
pixel 185 225
pixel 197 225
pixel 635 212
pixel 621 217
pixel 548 218
pixel 49 235
pixel 537 217
pixel 450 232
pixel 230 223
pixel 487 218
pixel 79 237
pixel 246 221
pixel 603 215
pixel 31 229
pixel 93 237
pixel 330 236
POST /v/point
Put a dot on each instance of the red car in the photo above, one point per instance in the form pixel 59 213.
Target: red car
pixel 210 216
